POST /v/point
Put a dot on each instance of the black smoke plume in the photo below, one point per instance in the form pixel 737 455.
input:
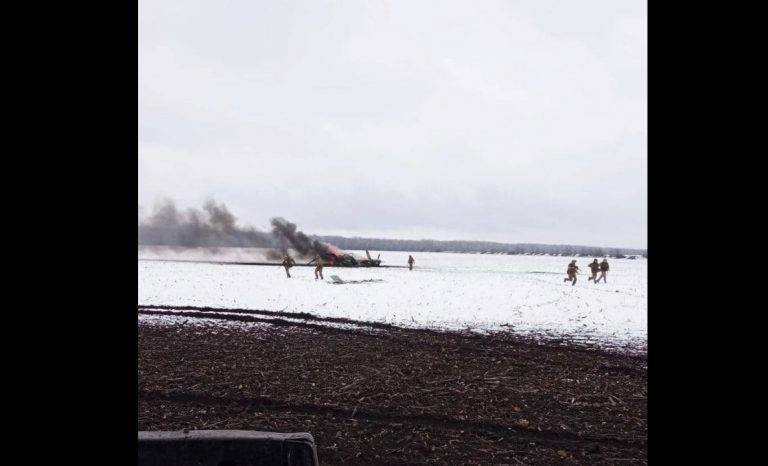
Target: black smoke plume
pixel 213 226
pixel 286 234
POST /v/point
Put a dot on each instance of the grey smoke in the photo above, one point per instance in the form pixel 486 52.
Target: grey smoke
pixel 215 226
pixel 288 236
pixel 211 227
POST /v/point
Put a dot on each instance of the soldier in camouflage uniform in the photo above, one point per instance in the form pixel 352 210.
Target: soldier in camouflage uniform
pixel 603 270
pixel 288 262
pixel 573 269
pixel 594 267
pixel 319 267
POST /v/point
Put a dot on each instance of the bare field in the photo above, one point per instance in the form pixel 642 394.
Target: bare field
pixel 394 395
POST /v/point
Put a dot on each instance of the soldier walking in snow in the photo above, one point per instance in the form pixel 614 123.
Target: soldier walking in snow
pixel 603 270
pixel 594 267
pixel 411 260
pixel 573 269
pixel 288 262
pixel 319 267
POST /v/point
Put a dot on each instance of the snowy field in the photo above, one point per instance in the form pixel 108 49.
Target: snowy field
pixel 445 290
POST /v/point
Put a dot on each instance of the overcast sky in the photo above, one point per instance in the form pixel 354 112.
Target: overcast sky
pixel 513 121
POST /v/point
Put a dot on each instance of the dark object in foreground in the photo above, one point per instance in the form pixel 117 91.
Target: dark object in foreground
pixel 226 448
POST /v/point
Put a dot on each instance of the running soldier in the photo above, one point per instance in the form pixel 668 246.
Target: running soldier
pixel 411 260
pixel 603 270
pixel 288 262
pixel 573 269
pixel 319 267
pixel 594 267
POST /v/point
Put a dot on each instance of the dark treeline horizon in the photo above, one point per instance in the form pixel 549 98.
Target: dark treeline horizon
pixel 214 226
pixel 473 246
pixel 152 236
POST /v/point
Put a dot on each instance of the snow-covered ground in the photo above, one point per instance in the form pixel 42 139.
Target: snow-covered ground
pixel 445 290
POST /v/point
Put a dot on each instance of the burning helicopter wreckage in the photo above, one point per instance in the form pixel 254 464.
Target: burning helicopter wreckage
pixel 214 227
pixel 290 238
pixel 340 258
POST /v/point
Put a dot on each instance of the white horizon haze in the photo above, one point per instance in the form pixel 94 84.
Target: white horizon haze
pixel 507 121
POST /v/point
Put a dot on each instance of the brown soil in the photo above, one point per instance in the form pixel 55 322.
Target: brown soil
pixel 383 394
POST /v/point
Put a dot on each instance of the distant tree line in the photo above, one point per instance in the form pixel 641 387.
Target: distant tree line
pixel 214 226
pixel 186 235
pixel 487 247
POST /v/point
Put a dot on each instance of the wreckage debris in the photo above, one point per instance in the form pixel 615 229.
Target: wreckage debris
pixel 339 281
pixel 289 237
